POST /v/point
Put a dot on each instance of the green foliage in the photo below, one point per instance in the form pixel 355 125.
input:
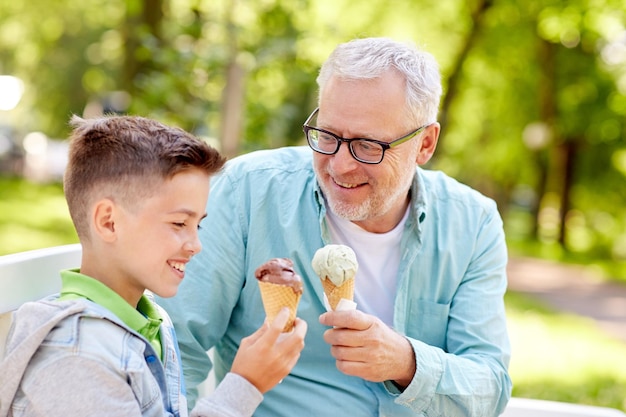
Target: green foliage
pixel 65 53
pixel 557 63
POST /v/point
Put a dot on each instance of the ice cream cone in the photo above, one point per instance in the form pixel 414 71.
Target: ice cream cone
pixel 335 293
pixel 275 297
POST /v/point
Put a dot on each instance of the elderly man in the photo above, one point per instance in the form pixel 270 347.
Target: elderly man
pixel 429 334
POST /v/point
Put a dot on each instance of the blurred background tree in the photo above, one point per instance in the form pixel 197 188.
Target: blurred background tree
pixel 533 111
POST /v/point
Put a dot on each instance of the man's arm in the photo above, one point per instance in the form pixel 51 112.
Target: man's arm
pixel 470 377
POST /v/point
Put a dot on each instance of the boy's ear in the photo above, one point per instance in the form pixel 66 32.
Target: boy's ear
pixel 104 212
pixel 428 144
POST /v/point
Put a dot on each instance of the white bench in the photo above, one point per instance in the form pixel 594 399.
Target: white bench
pixel 525 407
pixel 29 276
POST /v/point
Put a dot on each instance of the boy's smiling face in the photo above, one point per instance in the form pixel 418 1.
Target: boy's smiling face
pixel 150 244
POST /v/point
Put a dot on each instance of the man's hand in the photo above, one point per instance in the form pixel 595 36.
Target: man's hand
pixel 266 356
pixel 366 347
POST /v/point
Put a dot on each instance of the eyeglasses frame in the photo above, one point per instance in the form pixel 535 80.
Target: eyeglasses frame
pixel 385 145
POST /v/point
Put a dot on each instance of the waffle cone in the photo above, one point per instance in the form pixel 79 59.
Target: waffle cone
pixel 275 297
pixel 335 293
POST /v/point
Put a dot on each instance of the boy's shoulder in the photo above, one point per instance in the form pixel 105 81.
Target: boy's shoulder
pixel 34 320
pixel 62 322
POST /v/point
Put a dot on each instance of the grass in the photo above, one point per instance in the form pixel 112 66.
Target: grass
pixel 556 356
pixel 563 357
pixel 33 216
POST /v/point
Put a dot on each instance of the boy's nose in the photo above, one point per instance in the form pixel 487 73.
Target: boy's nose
pixel 193 245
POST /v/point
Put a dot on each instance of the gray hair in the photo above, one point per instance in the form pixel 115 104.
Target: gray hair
pixel 369 58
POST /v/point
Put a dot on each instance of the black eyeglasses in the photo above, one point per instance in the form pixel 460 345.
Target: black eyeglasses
pixel 368 151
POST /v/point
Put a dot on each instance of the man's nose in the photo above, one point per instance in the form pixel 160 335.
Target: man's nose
pixel 343 159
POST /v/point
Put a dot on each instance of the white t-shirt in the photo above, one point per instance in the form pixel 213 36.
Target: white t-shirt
pixel 378 255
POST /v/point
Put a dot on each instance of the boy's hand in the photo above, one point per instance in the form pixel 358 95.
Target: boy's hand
pixel 266 356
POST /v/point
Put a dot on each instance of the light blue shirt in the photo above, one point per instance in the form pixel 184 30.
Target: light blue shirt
pixel 449 303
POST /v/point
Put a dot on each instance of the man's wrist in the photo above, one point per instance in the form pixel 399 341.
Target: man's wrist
pixel 411 367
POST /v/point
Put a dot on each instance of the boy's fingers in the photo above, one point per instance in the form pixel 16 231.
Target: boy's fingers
pixel 270 331
pixel 300 328
pixel 295 337
pixel 258 333
pixel 280 320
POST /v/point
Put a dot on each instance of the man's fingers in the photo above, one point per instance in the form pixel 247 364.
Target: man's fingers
pixel 352 319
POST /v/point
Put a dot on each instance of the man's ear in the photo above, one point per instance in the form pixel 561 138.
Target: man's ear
pixel 104 212
pixel 428 143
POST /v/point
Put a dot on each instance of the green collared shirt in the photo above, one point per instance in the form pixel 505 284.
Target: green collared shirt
pixel 145 319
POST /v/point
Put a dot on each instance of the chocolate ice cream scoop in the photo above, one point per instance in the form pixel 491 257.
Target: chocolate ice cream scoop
pixel 280 271
pixel 280 287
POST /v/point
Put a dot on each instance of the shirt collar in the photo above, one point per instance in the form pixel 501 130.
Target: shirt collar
pixel 419 199
pixel 145 319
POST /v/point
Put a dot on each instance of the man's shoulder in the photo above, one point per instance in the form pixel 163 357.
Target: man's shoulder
pixel 259 169
pixel 291 157
pixel 441 186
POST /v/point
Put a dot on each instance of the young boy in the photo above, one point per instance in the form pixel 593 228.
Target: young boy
pixel 136 192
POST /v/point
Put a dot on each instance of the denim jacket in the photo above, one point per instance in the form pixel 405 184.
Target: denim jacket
pixel 96 364
pixel 119 372
pixel 449 303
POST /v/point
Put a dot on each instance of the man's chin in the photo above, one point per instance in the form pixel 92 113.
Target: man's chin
pixel 348 212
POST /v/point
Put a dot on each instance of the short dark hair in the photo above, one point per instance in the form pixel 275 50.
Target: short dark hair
pixel 125 158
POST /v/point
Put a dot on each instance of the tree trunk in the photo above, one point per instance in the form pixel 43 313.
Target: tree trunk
pixel 233 95
pixel 232 109
pixel 569 151
pixel 541 187
pixel 455 74
pixel 141 17
pixel 547 114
